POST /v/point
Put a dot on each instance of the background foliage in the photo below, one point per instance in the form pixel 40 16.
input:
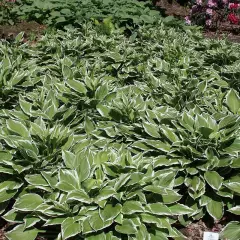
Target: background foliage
pixel 60 13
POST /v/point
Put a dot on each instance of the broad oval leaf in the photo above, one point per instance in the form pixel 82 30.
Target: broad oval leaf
pixel 28 202
pixel 77 86
pixel 131 207
pixel 215 208
pixel 17 127
pixel 213 179
pixel 233 101
pixel 70 228
pixel 151 129
pixel 127 227
pixel 235 210
pixel 110 212
pixel 19 232
pixel 231 231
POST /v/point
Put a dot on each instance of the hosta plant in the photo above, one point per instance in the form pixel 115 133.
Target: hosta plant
pixel 115 137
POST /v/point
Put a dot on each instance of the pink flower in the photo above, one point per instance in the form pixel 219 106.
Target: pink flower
pixel 209 11
pixel 209 22
pixel 199 2
pixel 233 5
pixel 187 20
pixel 212 3
pixel 233 18
pixel 225 1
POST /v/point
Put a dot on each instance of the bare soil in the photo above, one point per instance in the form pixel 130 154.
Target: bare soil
pixel 195 230
pixel 170 8
pixel 32 30
pixel 3 226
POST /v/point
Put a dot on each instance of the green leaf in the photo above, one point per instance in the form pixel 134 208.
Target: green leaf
pixel 30 221
pixel 68 180
pixel 20 233
pixel 101 91
pixel 148 218
pixel 70 228
pixel 235 163
pixel 131 207
pixel 169 133
pixel 3 207
pixel 123 178
pixel 158 209
pixel 103 110
pixel 5 156
pixel 77 86
pixel 6 194
pixel 158 145
pixel 226 121
pixel 79 195
pixel 97 223
pixel 36 179
pixel 233 101
pixel 89 126
pixel 14 216
pixel 154 189
pixel 170 197
pixel 213 179
pixel 234 147
pixel 28 202
pixel 18 128
pixel 180 209
pixel 235 210
pixel 105 193
pixel 234 186
pixel 151 129
pixel 215 208
pixel 19 37
pixel 69 159
pixel 83 167
pixel 60 20
pixel 110 212
pixel 127 227
pixel 231 231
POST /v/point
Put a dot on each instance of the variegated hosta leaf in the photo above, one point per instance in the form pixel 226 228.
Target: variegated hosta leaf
pixel 231 231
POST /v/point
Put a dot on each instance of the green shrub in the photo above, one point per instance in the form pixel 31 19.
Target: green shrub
pixel 6 15
pixel 109 137
pixel 60 13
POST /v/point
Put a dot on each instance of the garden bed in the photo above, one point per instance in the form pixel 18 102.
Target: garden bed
pixel 117 126
pixel 143 118
pixel 224 30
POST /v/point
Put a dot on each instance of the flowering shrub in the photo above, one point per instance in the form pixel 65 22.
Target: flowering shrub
pixel 211 13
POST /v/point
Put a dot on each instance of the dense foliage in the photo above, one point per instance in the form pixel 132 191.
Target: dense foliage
pixel 108 137
pixel 127 13
pixel 6 12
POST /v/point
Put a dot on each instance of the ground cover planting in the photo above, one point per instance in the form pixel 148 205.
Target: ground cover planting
pixel 60 13
pixel 104 136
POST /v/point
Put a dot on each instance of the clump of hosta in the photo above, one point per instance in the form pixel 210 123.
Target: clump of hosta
pixel 109 137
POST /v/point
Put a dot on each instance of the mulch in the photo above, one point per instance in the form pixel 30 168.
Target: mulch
pixel 3 226
pixel 32 30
